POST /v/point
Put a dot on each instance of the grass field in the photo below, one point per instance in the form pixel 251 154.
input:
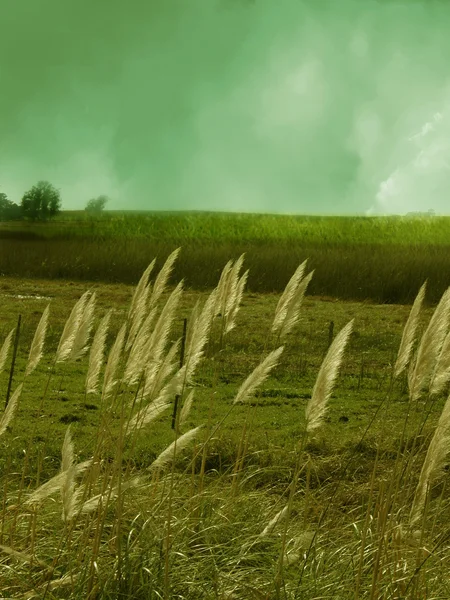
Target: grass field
pixel 255 506
pixel 355 258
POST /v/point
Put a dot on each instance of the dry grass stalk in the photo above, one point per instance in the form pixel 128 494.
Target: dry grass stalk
pixel 110 379
pixel 111 495
pixel 175 448
pixel 5 349
pixel 162 278
pixel 70 329
pixel 232 287
pixel 430 347
pixel 81 340
pixel 434 463
pixel 409 333
pixel 38 343
pixel 293 307
pixel 97 354
pixel 259 375
pixel 286 297
pixel 68 481
pixel 318 403
pixel 186 409
pixel 7 416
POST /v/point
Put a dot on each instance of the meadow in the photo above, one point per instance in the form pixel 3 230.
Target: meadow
pixel 272 446
pixel 384 259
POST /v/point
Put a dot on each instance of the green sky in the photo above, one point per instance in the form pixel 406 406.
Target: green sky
pixel 253 105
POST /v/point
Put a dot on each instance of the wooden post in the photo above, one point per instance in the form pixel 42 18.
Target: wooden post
pixel 177 397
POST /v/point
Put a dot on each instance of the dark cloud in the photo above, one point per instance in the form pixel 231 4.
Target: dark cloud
pixel 261 106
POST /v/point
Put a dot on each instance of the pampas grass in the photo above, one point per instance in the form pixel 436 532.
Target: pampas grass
pixel 175 448
pixel 430 347
pixel 80 343
pixel 318 403
pixel 97 354
pixel 162 278
pixel 409 333
pixel 70 329
pixel 287 296
pixel 5 349
pixel 111 377
pixel 37 344
pixel 186 409
pixel 292 309
pixel 257 377
pixel 7 416
pixel 433 464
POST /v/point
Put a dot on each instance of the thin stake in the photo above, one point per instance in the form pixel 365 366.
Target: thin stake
pixel 177 397
pixel 11 372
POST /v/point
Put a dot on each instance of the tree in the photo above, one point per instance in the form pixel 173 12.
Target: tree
pixel 96 205
pixel 42 201
pixel 8 210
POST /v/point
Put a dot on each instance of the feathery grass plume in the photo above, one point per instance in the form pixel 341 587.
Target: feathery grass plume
pixel 199 330
pixel 274 522
pixel 70 329
pixel 162 278
pixel 137 356
pixel 441 373
pixel 429 347
pixel 7 416
pixel 286 297
pixel 109 496
pixel 158 372
pixel 186 409
pixel 409 333
pixel 150 413
pixel 318 403
pixel 222 289
pixel 259 375
pixel 38 343
pixel 139 315
pixel 231 316
pixel 110 378
pixel 5 349
pixel 54 484
pixel 233 281
pixel 175 448
pixel 293 308
pixel 96 355
pixel 433 464
pixel 81 340
pixel 158 338
pixel 140 291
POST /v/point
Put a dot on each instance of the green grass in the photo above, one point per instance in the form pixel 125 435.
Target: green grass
pixel 355 258
pixel 342 503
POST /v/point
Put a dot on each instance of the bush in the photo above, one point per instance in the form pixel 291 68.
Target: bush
pixel 8 210
pixel 96 205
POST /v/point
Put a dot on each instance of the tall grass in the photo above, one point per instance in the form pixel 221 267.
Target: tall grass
pixel 105 528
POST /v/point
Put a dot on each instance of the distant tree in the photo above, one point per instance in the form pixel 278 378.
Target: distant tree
pixel 96 205
pixel 42 201
pixel 9 211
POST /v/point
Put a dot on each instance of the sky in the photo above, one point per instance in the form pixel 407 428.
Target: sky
pixel 286 106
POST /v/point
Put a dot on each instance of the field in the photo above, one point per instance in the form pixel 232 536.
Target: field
pixel 355 258
pixel 326 479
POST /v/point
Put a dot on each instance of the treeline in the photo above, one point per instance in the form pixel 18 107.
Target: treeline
pixel 39 203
